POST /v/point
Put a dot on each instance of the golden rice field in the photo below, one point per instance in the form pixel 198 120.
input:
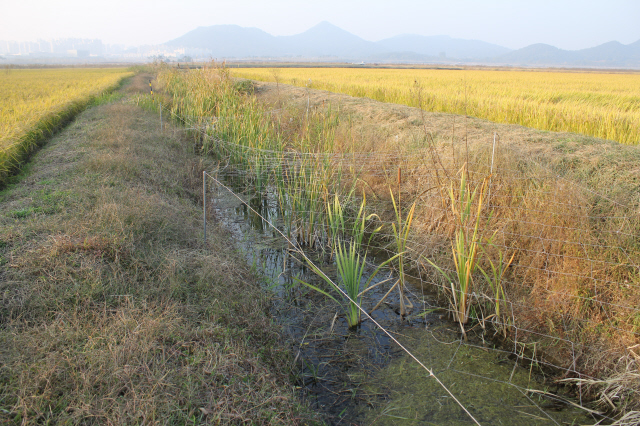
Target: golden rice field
pixel 33 102
pixel 604 105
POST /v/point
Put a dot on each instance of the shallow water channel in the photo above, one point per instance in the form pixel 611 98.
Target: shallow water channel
pixel 361 376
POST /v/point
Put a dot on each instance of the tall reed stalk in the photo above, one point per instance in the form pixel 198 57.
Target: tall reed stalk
pixel 401 235
pixel 466 207
pixel 495 281
pixel 401 228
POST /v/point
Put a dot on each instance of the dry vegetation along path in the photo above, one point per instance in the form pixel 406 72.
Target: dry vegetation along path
pixel 112 311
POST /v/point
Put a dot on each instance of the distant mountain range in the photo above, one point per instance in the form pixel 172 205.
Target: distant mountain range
pixel 326 42
pixel 611 54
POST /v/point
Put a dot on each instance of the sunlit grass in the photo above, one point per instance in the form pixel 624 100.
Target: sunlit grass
pixel 466 208
pixel 604 105
pixel 35 103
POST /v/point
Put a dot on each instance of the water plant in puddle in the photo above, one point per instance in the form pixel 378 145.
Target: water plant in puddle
pixel 351 267
pixel 338 226
pixel 350 264
pixel 315 178
pixel 299 185
pixel 401 234
pixel 466 207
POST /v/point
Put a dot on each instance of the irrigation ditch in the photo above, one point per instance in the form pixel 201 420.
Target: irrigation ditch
pixel 360 375
pixel 497 274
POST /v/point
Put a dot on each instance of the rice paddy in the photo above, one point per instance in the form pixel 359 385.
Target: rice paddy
pixel 603 105
pixel 36 102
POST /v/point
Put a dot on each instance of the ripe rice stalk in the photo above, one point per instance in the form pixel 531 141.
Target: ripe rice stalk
pixel 596 104
pixel 36 103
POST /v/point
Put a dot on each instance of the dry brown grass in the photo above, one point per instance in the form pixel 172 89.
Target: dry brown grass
pixel 111 310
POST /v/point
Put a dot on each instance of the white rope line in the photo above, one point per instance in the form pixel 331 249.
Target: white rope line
pixel 344 294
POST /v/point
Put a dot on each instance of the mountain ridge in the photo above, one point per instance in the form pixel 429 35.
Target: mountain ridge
pixel 327 41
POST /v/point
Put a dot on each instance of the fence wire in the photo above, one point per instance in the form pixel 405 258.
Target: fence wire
pixel 568 272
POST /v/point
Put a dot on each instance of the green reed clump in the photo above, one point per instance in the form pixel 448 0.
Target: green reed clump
pixel 466 207
pixel 349 262
pixel 299 182
pixel 275 155
pixel 339 225
pixel 211 101
pixel 400 228
pixel 401 234
pixel 335 219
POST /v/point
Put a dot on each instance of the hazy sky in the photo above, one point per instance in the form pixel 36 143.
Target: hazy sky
pixel 568 24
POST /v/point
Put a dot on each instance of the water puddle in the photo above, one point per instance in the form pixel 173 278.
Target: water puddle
pixel 361 376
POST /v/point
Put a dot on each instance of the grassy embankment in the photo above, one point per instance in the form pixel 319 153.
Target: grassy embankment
pixel 112 311
pixel 603 105
pixel 554 204
pixel 35 103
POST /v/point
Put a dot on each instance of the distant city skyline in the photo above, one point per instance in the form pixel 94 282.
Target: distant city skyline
pixel 567 24
pixel 82 47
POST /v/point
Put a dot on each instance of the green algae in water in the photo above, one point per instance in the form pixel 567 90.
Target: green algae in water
pixel 486 382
